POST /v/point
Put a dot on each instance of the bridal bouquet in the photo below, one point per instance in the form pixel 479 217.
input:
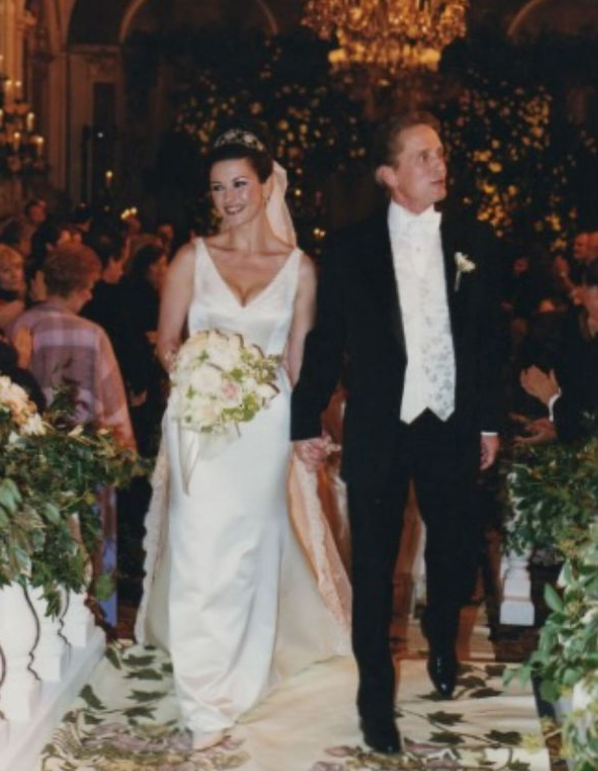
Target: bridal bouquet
pixel 220 381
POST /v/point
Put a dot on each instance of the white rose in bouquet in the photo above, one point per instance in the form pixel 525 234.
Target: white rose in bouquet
pixel 206 412
pixel 206 379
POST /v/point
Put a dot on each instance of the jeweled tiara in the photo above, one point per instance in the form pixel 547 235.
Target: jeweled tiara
pixel 240 137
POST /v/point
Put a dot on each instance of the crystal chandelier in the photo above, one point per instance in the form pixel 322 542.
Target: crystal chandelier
pixel 388 34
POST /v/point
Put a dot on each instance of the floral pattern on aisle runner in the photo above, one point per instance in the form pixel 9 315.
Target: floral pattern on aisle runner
pixel 126 719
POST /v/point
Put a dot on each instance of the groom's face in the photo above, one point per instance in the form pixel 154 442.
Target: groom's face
pixel 417 177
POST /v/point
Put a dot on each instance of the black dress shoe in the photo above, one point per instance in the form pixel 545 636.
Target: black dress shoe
pixel 381 735
pixel 443 668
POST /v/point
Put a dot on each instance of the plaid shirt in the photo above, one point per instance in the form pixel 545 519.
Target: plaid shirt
pixel 68 348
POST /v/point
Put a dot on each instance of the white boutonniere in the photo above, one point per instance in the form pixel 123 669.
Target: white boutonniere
pixel 464 265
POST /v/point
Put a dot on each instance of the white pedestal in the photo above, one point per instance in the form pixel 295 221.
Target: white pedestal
pixel 517 606
pixel 18 634
pixel 51 653
pixel 26 739
pixel 78 624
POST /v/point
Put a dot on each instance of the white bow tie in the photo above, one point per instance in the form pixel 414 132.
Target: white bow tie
pixel 414 224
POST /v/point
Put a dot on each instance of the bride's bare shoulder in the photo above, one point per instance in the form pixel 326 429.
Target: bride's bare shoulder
pixel 307 269
pixel 184 259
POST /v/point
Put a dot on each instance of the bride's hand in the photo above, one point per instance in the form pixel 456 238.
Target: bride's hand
pixel 313 451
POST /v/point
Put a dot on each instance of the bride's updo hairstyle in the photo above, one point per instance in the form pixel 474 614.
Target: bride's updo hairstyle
pixel 239 143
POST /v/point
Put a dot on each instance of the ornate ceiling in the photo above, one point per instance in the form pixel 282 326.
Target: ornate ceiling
pixel 119 17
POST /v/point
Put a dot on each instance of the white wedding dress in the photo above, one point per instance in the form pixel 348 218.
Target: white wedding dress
pixel 229 590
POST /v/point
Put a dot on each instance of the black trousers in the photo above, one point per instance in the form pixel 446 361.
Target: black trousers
pixel 443 465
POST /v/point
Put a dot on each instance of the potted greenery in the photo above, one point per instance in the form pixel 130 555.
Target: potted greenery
pixel 50 470
pixel 553 491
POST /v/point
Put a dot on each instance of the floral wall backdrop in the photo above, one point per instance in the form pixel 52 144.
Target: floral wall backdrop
pixel 519 155
pixel 518 158
pixel 283 87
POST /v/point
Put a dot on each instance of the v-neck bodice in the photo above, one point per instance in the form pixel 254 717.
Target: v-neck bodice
pixel 265 320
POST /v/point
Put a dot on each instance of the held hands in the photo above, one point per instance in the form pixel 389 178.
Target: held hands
pixel 489 446
pixel 539 384
pixel 312 452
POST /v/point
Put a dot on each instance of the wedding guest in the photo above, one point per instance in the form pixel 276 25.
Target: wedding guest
pixel 15 233
pixel 47 237
pixel 34 214
pixel 70 350
pixel 570 388
pixel 12 285
pixel 142 287
pixel 165 232
pixel 411 300
pixel 81 222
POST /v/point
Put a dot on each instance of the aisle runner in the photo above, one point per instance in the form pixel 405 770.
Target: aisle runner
pixel 126 720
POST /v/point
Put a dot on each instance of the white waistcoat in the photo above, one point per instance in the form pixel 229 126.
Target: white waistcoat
pixel 419 271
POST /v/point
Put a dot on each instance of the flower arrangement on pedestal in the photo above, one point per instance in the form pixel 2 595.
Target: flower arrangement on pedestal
pixel 554 494
pixel 50 471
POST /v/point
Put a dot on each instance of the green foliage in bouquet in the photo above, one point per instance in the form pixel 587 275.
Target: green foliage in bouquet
pixel 49 479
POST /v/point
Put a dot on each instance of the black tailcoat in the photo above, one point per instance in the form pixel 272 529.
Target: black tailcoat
pixel 359 332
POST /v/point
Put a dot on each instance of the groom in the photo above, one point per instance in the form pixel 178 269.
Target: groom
pixel 408 307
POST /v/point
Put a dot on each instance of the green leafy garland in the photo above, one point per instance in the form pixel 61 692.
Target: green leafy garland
pixel 49 520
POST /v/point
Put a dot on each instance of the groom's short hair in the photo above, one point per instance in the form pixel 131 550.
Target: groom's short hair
pixel 386 145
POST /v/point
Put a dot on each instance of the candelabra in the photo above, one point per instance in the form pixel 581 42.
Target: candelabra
pixel 21 146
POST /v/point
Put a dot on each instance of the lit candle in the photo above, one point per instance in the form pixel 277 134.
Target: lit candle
pixel 18 89
pixel 108 177
pixel 1 118
pixel 16 141
pixel 30 121
pixel 8 84
pixel 39 146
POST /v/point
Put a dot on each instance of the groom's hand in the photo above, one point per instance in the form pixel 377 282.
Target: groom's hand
pixel 313 451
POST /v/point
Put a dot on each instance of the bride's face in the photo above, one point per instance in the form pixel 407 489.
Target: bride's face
pixel 237 192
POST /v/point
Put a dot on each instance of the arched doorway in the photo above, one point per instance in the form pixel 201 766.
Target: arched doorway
pixel 256 13
pixel 571 18
pixel 102 136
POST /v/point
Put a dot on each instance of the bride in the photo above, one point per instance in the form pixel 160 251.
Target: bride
pixel 240 593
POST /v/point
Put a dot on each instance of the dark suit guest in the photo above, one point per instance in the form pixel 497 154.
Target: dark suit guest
pixel 410 300
pixel 571 388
